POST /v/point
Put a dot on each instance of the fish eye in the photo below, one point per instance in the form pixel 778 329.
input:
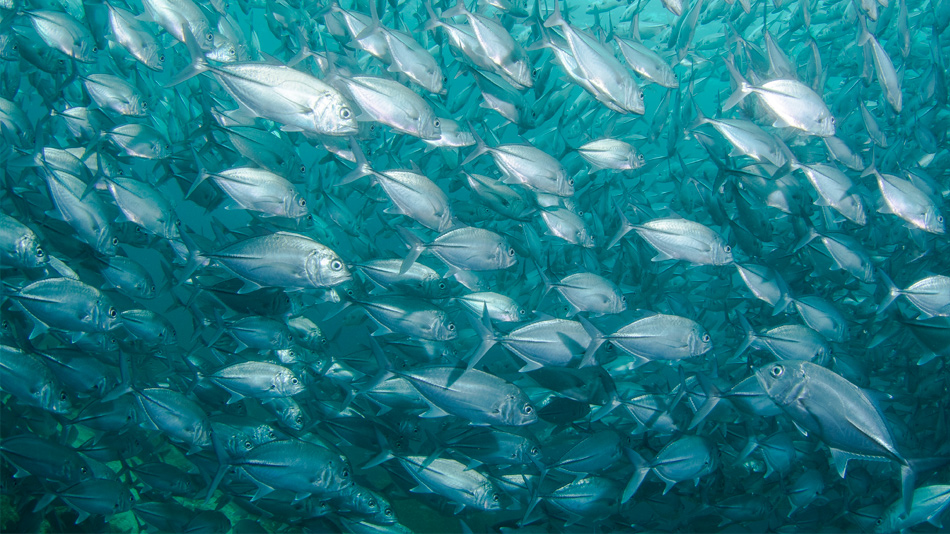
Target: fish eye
pixel 940 219
pixel 706 338
pixel 441 285
pixel 511 252
pixel 83 470
pixel 451 326
pixel 112 312
pixel 346 472
pixel 115 240
pixel 210 36
pixel 528 409
pixel 522 311
pixel 144 105
pixel 345 113
pixel 302 202
pixel 494 497
pixel 534 451
pixel 161 58
pixel 248 445
pixel 727 248
pixel 388 511
pixel 95 49
pixel 832 120
pixel 570 182
pixel 298 419
pixel 63 396
pixel 776 371
pixel 436 123
pixel 640 157
pixel 336 265
pixel 640 94
pixel 303 169
pixel 294 381
pixel 39 252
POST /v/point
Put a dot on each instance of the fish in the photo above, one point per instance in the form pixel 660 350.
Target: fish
pixel 436 265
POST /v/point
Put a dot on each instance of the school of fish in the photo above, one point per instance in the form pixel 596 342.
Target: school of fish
pixel 443 266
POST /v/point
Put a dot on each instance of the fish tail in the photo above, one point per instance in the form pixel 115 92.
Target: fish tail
pixel 892 293
pixel 199 63
pixel 202 175
pixel 641 469
pixel 433 21
pixel 713 396
pixel 597 339
pixel 749 336
pixel 416 246
pixel 555 19
pixel 374 26
pixel 458 10
pixel 700 118
pixel 743 88
pixel 362 166
pixel 480 147
pixel 483 327
pixel 625 227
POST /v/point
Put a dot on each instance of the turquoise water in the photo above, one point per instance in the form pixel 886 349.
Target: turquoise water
pixel 614 231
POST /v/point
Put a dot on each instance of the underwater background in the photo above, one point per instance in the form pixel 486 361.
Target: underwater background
pixel 599 266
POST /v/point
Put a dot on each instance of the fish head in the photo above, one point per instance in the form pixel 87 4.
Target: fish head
pixel 333 115
pixel 933 221
pixel 783 381
pixel 487 497
pixel 295 206
pixel 153 57
pixel 504 255
pixel 54 398
pixel 291 416
pixel 633 99
pixel 435 287
pixel 433 80
pixel 825 125
pixel 225 52
pixel 515 313
pixel 137 106
pixel 430 126
pixel 636 160
pixel 146 289
pixel 565 185
pixel 106 243
pixel 158 148
pixel 30 252
pixel 516 410
pixel 339 471
pixel 521 73
pixel 287 384
pixel 199 435
pixel 326 269
pixel 585 238
pixel 107 317
pixel 442 328
pixel 722 254
pixel 699 341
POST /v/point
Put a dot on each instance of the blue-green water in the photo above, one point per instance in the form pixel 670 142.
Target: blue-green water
pixel 280 266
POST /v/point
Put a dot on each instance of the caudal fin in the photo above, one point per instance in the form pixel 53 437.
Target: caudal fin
pixel 416 246
pixel 892 292
pixel 199 63
pixel 480 146
pixel 743 88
